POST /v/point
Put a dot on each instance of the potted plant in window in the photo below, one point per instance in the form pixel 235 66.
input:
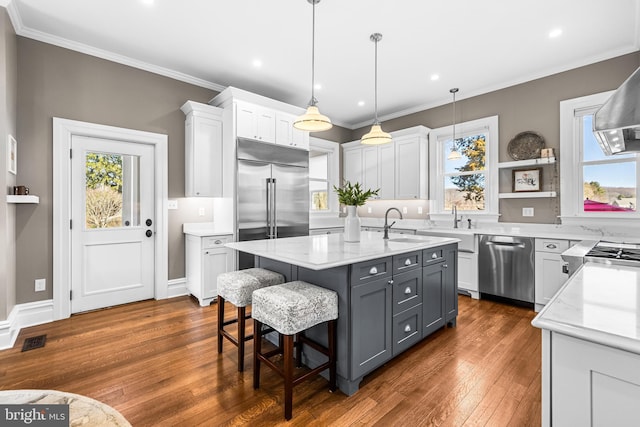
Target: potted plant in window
pixel 352 196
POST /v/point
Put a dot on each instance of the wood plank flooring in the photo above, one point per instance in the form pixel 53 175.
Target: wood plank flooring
pixel 156 362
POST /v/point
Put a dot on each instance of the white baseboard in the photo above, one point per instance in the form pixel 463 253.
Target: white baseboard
pixel 23 316
pixel 177 287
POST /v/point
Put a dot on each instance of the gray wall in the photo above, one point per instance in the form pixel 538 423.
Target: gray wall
pixel 8 104
pixel 534 105
pixel 56 82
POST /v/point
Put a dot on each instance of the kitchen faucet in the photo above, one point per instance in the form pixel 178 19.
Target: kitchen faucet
pixel 387 227
pixel 455 216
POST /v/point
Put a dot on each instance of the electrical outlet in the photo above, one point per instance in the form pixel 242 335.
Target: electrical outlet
pixel 419 209
pixel 201 211
pixel 172 204
pixel 41 285
pixel 404 210
pixel 527 211
pixel 368 209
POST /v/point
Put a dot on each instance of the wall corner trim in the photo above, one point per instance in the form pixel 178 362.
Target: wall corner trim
pixel 22 316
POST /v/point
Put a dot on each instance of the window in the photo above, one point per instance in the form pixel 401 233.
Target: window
pixel 469 183
pixel 323 175
pixel 593 186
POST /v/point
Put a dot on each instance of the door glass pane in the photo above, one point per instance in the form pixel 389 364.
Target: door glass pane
pixel 610 187
pixel 112 190
pixel 465 191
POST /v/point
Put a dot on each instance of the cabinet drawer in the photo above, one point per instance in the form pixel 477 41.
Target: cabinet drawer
pixel 432 256
pixel 407 329
pixel 215 241
pixel 406 262
pixel 407 290
pixel 367 271
pixel 552 245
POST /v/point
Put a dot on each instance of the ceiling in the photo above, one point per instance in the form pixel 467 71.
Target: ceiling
pixel 476 45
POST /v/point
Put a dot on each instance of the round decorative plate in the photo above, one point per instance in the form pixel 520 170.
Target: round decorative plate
pixel 525 145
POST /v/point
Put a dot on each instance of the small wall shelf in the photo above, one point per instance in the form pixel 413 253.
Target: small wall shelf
pixel 525 163
pixel 23 199
pixel 528 195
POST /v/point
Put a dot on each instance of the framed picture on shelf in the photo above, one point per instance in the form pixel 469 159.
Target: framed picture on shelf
pixel 12 155
pixel 527 180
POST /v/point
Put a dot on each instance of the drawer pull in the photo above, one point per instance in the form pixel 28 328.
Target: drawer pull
pixel 407 328
pixel 407 291
pixel 434 255
pixel 373 270
pixel 407 261
pixel 445 266
pixel 551 246
pixel 218 242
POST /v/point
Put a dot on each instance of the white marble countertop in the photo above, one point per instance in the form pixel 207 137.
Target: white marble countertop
pixel 330 250
pixel 202 229
pixel 599 303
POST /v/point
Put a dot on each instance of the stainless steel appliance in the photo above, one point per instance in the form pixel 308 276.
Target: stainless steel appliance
pixel 602 252
pixel 506 267
pixel 273 193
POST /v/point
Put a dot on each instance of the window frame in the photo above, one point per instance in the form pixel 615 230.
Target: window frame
pixel 438 139
pixel 332 149
pixel 572 162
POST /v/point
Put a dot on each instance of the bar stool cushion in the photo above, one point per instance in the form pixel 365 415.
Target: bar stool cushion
pixel 238 286
pixel 294 306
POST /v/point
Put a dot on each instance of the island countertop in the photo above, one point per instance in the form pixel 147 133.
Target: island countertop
pixel 599 303
pixel 324 251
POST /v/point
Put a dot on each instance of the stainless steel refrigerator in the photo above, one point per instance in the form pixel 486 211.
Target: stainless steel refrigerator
pixel 273 193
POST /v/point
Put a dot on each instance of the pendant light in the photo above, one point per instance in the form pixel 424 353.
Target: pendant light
pixel 454 154
pixel 312 120
pixel 376 135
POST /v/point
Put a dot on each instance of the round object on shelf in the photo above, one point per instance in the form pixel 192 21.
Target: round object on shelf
pixel 526 145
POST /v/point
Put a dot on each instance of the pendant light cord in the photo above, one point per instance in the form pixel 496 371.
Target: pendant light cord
pixel 313 54
pixel 375 85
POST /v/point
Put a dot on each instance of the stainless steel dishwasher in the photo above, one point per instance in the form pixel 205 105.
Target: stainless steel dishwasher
pixel 506 267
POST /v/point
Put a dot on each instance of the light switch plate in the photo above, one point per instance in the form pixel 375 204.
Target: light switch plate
pixel 419 209
pixel 41 285
pixel 201 211
pixel 404 210
pixel 368 209
pixel 527 211
pixel 172 204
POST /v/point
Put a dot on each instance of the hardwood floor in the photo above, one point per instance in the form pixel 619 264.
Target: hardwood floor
pixel 156 362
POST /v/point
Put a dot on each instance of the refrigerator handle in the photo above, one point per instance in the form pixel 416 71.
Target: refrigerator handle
pixel 274 211
pixel 269 224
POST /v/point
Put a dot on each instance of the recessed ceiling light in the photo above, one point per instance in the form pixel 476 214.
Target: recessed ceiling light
pixel 257 63
pixel 317 86
pixel 434 77
pixel 555 33
pixel 360 103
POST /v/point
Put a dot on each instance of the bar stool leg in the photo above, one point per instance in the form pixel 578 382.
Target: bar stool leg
pixel 241 335
pixel 288 376
pixel 332 354
pixel 257 349
pixel 298 345
pixel 220 321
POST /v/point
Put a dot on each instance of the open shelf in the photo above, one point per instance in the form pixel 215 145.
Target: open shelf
pixel 530 162
pixel 23 199
pixel 528 195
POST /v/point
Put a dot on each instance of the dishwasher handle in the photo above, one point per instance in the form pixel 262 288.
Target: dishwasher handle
pixel 512 244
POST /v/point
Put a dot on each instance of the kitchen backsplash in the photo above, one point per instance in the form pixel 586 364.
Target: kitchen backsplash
pixel 411 209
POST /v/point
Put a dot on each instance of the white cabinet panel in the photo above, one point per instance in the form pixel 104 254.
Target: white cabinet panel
pixel 550 273
pixel 255 122
pixel 287 135
pixel 352 164
pixel 468 273
pixel 386 171
pixel 411 168
pixel 206 257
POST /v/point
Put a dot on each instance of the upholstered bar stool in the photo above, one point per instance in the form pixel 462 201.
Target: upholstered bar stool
pixel 290 309
pixel 237 288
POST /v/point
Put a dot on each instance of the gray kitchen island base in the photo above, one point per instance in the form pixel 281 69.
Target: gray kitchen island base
pixel 386 305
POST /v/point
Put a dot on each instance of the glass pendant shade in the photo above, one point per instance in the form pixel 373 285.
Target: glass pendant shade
pixel 376 136
pixel 312 120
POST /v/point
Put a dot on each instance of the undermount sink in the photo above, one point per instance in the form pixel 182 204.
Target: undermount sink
pixel 406 240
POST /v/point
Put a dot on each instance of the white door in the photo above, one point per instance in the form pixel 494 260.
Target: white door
pixel 113 224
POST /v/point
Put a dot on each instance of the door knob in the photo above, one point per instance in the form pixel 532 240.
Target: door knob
pixel 148 222
pixel 149 233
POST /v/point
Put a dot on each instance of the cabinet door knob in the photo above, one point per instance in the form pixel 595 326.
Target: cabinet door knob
pixel 390 282
pixel 551 246
pixel 445 266
pixel 407 261
pixel 218 242
pixel 373 270
pixel 407 328
pixel 407 291
pixel 434 255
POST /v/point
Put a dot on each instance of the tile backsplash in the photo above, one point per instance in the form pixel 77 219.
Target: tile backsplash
pixel 411 209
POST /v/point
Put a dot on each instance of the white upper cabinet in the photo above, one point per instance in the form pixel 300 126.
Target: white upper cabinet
pixel 255 122
pixel 203 150
pixel 351 163
pixel 411 166
pixel 287 135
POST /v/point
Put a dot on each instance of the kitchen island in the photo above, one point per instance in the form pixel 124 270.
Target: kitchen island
pixel 391 294
pixel 591 348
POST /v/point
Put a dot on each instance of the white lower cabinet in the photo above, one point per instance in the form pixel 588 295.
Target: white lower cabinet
pixel 590 384
pixel 206 257
pixel 468 273
pixel 550 272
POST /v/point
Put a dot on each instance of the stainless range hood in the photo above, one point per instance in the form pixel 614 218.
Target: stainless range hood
pixel 617 123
